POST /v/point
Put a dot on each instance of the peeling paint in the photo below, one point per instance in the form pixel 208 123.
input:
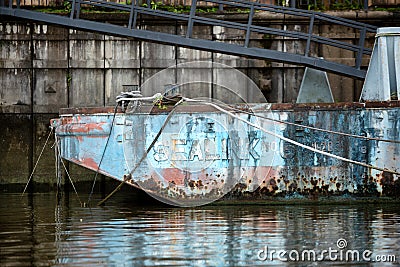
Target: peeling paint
pixel 207 152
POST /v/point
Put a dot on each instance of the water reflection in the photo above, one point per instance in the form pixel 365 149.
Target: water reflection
pixel 37 231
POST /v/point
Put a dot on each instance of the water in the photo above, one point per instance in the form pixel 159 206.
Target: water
pixel 35 231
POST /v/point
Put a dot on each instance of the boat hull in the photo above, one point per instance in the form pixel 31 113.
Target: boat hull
pixel 203 154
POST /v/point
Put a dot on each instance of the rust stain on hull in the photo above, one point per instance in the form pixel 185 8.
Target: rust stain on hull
pixel 202 151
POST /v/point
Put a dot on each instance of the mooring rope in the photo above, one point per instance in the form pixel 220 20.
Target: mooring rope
pixel 40 155
pixel 137 97
pixel 102 156
pixel 314 128
pixel 159 97
pixel 124 96
pixel 66 171
pixel 290 140
pixel 56 163
pixel 144 154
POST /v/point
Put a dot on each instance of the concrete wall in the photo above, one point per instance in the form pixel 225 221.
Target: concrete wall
pixel 44 68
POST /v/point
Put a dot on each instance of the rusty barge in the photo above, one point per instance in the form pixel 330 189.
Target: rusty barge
pixel 191 152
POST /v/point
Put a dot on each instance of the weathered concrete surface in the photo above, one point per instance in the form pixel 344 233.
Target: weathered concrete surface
pixel 95 65
pixel 44 68
pixel 22 137
pixel 15 150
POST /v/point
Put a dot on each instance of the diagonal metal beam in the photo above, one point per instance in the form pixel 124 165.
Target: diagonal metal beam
pixel 171 39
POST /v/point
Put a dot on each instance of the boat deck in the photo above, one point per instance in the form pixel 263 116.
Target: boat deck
pixel 273 106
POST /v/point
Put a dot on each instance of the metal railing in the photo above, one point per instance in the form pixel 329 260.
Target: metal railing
pixel 320 5
pixel 136 11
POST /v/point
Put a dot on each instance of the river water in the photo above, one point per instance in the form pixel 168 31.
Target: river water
pixel 38 230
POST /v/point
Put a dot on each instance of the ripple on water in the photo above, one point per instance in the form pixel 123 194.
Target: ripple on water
pixel 34 230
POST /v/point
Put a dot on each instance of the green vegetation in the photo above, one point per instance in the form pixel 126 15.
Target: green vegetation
pixel 67 6
pixel 169 8
pixel 390 9
pixel 179 8
pixel 347 5
pixel 317 5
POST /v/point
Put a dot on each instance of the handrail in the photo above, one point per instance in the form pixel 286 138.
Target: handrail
pixel 254 10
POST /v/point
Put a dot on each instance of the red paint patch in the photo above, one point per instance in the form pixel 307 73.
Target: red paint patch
pixel 86 128
pixel 173 175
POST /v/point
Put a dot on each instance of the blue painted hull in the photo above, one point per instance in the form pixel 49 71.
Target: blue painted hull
pixel 203 151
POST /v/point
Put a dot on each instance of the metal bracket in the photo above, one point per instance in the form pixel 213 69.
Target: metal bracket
pixel 315 87
pixel 382 82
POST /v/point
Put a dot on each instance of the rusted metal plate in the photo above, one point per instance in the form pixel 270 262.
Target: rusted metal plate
pixel 209 152
pixel 273 106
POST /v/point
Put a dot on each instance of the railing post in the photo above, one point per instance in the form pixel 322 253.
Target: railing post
pixel 190 21
pixel 71 16
pixel 310 31
pixel 361 47
pixel 365 5
pixel 76 8
pixel 133 14
pixel 249 22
